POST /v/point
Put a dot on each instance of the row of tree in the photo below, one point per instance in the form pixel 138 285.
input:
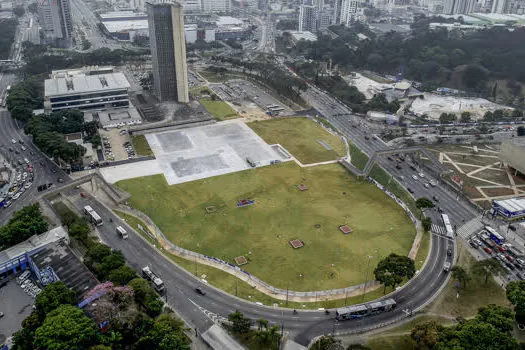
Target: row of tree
pixel 267 337
pixel 24 97
pixel 8 36
pixel 25 223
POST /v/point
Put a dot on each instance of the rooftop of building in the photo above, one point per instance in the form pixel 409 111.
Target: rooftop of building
pixel 388 27
pixel 513 205
pixel 87 70
pixel 119 116
pixel 116 15
pixel 308 36
pixel 33 243
pixel 121 26
pixel 67 267
pixel 84 84
pixel 229 21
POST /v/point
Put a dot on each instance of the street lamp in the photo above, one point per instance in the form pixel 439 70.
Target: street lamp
pixel 366 276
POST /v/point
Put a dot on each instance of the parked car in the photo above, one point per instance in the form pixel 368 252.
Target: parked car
pixel 83 195
pixel 421 175
pixel 200 291
pixel 487 250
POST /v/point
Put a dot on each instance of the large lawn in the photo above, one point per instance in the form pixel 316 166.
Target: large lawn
pixel 219 109
pixel 261 232
pixel 302 137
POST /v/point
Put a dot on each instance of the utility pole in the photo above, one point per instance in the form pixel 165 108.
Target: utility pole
pixel 286 295
pixel 236 286
pixel 366 277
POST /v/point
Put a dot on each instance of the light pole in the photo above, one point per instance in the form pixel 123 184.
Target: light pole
pixel 366 276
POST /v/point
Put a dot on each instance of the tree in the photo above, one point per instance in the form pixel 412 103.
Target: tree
pixel 487 267
pixel 424 203
pixel 167 334
pixel 52 296
pixel 153 306
pixel 465 117
pixel 141 289
pixel 262 323
pixel 426 334
pixel 19 11
pixel 325 342
pixel 426 223
pixel 357 347
pixel 393 269
pixel 499 316
pixel 447 118
pixel 460 274
pixel 24 223
pixel 240 324
pixel 516 295
pixel 32 7
pixel 122 275
pixel 66 328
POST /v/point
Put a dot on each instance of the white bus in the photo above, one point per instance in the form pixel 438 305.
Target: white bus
pixel 95 218
pixel 494 235
pixel 448 226
pixel 87 209
pixel 121 232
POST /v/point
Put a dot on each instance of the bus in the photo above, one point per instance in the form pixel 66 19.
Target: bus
pixel 362 310
pixel 494 235
pixel 448 226
pixel 121 232
pixel 93 216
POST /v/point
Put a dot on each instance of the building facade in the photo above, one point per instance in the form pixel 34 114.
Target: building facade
pixel 307 18
pixel 56 22
pixel 457 7
pixel 509 6
pixel 194 6
pixel 86 92
pixel 349 12
pixel 336 18
pixel 217 6
pixel 168 51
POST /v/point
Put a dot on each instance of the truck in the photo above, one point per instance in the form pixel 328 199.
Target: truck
pixel 121 232
pixel 446 266
pixel 153 278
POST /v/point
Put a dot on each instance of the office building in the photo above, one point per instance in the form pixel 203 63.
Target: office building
pixel 324 20
pixel 349 12
pixel 516 7
pixel 168 51
pixel 194 6
pixel 55 20
pixel 456 7
pixel 85 91
pixel 307 18
pixel 217 6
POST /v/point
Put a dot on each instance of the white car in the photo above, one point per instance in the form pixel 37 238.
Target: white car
pixel 28 185
pixel 421 175
pixel 13 141
pixel 414 177
pixel 426 185
pixel 23 148
pixel 16 196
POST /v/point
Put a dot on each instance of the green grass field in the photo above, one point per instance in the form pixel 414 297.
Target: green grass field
pixel 261 232
pixel 219 109
pixel 359 159
pixel 141 145
pixel 300 137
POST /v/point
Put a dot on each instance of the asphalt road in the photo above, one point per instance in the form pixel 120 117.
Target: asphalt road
pixel 42 174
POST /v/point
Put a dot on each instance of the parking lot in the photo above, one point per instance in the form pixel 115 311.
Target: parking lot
pixel 116 145
pixel 21 177
pixel 16 306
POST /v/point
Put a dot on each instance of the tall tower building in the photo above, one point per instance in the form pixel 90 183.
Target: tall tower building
pixel 348 12
pixel 307 18
pixel 168 51
pixel 336 18
pixel 57 24
pixel 499 6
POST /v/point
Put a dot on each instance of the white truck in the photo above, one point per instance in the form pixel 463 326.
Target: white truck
pixel 150 276
pixel 121 232
pixel 446 266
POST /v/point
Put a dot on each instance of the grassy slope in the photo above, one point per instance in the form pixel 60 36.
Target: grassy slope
pixel 141 145
pixel 299 136
pixel 234 286
pixel 219 109
pixel 359 159
pixel 281 213
pixel 422 252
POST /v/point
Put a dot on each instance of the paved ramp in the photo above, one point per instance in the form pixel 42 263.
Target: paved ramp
pixel 217 338
pixel 291 345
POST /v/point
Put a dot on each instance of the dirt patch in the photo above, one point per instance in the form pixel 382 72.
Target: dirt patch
pixel 498 191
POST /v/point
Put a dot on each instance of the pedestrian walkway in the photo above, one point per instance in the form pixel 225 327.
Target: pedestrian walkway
pixel 440 230
pixel 470 227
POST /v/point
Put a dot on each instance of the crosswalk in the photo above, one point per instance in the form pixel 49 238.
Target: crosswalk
pixel 438 229
pixel 470 227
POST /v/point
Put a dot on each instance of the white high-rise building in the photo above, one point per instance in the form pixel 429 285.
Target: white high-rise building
pixel 336 18
pixel 56 22
pixel 192 6
pixel 349 12
pixel 217 6
pixel 307 18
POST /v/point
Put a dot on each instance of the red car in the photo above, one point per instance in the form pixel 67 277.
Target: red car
pixel 502 249
pixel 83 195
pixel 488 250
pixel 509 258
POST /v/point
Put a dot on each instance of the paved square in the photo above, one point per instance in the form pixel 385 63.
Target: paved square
pixel 205 151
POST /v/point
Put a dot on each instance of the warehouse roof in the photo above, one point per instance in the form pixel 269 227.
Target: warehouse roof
pixel 513 205
pixel 85 84
pixel 121 26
